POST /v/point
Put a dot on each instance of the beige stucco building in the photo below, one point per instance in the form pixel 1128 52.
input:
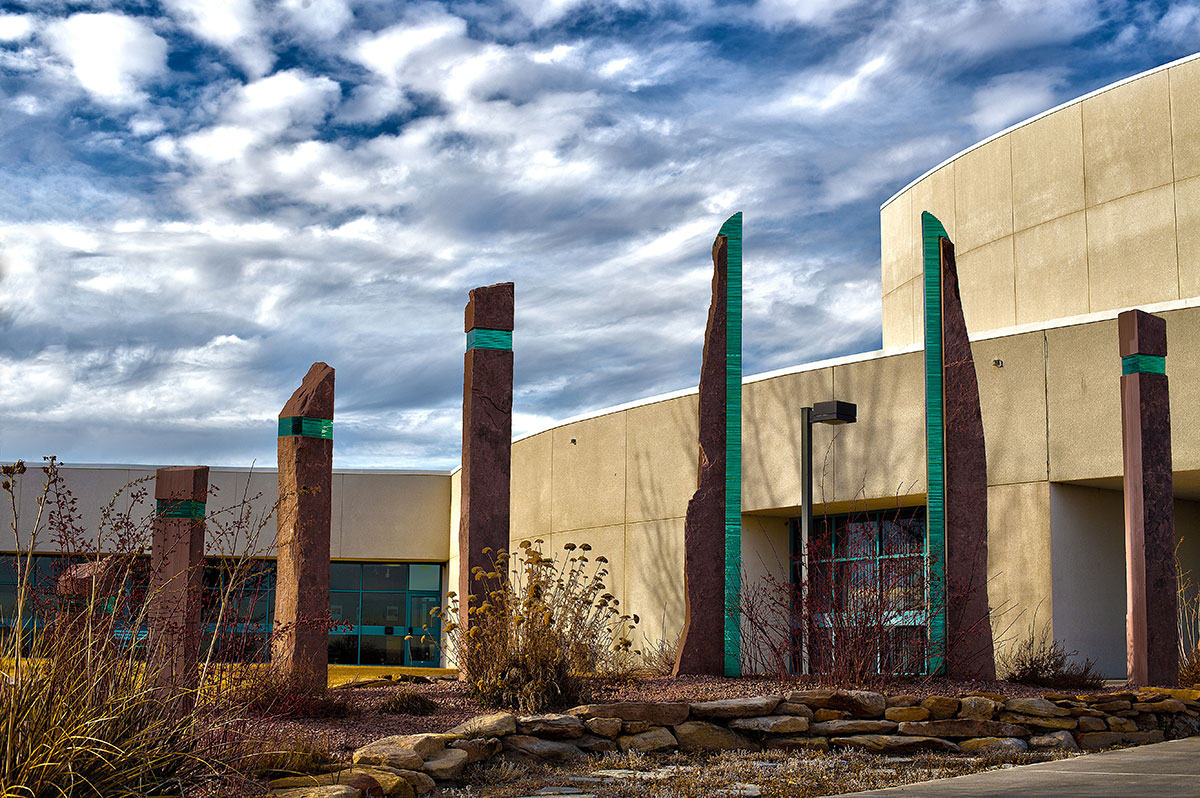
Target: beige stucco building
pixel 1060 223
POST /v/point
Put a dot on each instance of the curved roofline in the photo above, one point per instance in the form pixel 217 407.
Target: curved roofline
pixel 1035 118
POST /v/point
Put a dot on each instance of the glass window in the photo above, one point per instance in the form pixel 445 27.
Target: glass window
pixel 343 649
pixel 383 609
pixel 424 576
pixel 345 576
pixel 382 650
pixel 384 577
pixel 343 607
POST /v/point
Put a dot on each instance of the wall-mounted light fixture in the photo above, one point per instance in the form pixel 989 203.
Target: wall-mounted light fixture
pixel 998 363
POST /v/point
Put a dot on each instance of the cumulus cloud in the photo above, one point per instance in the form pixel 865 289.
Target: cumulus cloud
pixel 14 27
pixel 327 180
pixel 232 25
pixel 110 54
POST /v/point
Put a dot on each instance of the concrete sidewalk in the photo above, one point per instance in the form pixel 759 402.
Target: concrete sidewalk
pixel 1162 770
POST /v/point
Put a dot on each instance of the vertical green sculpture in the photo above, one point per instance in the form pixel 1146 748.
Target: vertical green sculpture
pixel 732 230
pixel 932 232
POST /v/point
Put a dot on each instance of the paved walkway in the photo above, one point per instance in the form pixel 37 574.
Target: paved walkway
pixel 1162 770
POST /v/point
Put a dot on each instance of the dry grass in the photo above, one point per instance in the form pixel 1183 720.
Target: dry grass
pixel 776 774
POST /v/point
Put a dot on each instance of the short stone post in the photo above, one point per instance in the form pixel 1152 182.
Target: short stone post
pixel 1150 622
pixel 300 647
pixel 86 595
pixel 176 578
pixel 487 435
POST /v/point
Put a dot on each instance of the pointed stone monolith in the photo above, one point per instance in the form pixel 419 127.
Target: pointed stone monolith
pixel 702 646
pixel 300 648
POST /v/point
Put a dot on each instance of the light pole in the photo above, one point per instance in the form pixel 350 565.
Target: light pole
pixel 832 412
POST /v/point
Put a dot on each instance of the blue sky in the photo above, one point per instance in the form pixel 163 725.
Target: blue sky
pixel 198 199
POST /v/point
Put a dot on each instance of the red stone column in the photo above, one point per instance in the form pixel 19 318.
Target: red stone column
pixel 702 646
pixel 86 591
pixel 176 576
pixel 487 434
pixel 300 645
pixel 1150 622
pixel 969 649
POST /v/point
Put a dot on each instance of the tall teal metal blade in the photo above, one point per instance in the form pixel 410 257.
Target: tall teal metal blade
pixel 932 232
pixel 732 230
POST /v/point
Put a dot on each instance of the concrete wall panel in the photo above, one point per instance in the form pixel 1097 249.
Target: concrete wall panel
pixel 934 194
pixel 983 195
pixel 1019 560
pixel 530 486
pixel 654 578
pixel 589 474
pixel 883 454
pixel 1013 400
pixel 406 516
pixel 1187 228
pixel 987 284
pixel 771 437
pixel 662 459
pixel 900 262
pixel 1051 269
pixel 1132 250
pixel 1127 139
pixel 1047 168
pixel 1185 118
pixel 900 323
pixel 1084 394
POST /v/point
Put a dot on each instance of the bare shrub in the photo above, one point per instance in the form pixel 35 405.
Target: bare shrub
pixel 1040 660
pixel 540 630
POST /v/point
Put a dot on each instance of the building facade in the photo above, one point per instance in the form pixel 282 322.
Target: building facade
pixel 1060 223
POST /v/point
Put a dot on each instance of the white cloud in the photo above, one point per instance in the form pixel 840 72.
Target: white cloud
pixel 276 103
pixel 815 13
pixel 1011 98
pixel 824 92
pixel 1180 24
pixel 110 54
pixel 231 25
pixel 323 19
pixel 14 27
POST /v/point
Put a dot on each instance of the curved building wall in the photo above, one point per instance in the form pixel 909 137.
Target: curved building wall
pixel 1093 206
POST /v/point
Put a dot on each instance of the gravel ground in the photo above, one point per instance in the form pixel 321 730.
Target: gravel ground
pixel 363 721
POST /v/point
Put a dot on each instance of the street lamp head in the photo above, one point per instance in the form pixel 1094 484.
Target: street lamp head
pixel 834 412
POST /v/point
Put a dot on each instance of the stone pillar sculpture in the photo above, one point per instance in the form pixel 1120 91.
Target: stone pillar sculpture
pixel 711 643
pixel 86 596
pixel 1150 622
pixel 970 653
pixel 487 434
pixel 176 577
pixel 960 633
pixel 300 648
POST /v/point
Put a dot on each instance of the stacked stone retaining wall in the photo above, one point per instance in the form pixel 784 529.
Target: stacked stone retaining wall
pixel 813 720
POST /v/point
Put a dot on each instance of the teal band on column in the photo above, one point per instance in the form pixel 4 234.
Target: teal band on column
pixel 303 427
pixel 732 230
pixel 179 508
pixel 932 232
pixel 1143 364
pixel 481 338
